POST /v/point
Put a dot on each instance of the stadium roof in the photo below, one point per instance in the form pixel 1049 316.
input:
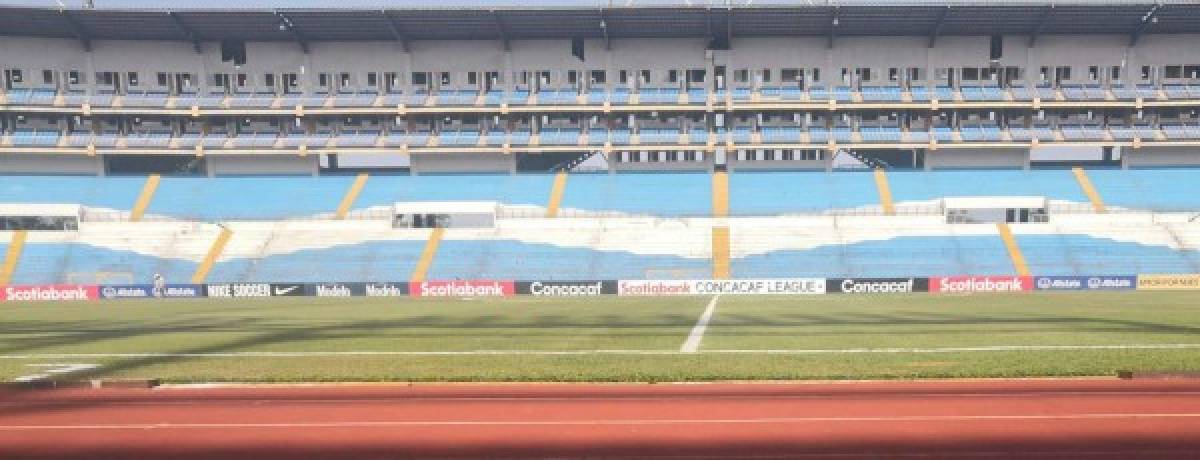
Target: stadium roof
pixel 307 21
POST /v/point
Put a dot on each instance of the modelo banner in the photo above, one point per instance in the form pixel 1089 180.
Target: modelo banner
pixel 1168 282
pixel 876 285
pixel 462 288
pixel 146 291
pixel 781 286
pixel 968 284
pixel 50 292
pixel 1083 283
pixel 337 290
pixel 566 288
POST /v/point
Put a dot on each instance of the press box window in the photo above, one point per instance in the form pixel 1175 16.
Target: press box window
pixel 132 78
pixel 48 77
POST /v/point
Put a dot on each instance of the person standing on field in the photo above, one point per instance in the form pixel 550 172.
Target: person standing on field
pixel 160 285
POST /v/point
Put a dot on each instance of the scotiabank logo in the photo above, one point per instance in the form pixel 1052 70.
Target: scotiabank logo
pixel 50 292
pixel 635 287
pixel 476 288
pixel 958 284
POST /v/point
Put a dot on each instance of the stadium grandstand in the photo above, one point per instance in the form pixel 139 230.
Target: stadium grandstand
pixel 598 140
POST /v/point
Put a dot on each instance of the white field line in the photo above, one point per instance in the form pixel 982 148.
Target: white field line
pixel 307 354
pixel 692 344
pixel 598 422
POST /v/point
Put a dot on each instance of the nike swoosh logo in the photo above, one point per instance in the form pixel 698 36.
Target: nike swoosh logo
pixel 285 291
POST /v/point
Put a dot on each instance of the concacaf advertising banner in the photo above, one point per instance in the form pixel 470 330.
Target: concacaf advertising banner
pixel 1168 282
pixel 1084 283
pixel 147 291
pixel 50 292
pixel 462 288
pixel 968 284
pixel 781 286
pixel 876 285
pixel 566 288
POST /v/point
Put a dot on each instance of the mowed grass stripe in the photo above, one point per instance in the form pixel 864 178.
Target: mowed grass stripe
pixel 760 337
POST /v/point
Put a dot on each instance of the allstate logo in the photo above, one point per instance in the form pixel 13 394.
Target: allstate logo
pixel 1044 283
pixel 109 292
pixel 1095 283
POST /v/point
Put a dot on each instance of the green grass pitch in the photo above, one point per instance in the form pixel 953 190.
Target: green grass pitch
pixel 607 338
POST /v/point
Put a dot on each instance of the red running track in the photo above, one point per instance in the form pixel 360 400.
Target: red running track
pixel 941 419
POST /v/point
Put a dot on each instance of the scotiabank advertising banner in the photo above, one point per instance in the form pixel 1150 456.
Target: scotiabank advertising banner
pixel 1084 283
pixel 566 288
pixel 876 285
pixel 462 288
pixel 1168 282
pixel 967 284
pixel 782 286
pixel 50 292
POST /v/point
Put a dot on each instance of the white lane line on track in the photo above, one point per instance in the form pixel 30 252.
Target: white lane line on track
pixel 815 351
pixel 602 422
pixel 692 344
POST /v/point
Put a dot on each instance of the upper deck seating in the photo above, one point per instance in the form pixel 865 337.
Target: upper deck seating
pixel 218 140
pixel 741 94
pixel 148 98
pixel 781 134
pixel 619 136
pixel 517 97
pixel 880 133
pixel 1021 93
pixel 158 139
pixel 1175 131
pixel 457 97
pixel 979 133
pixel 843 94
pixel 1130 92
pixel 73 98
pixel 418 98
pixel 188 140
pixel 35 137
pixel 493 98
pixel 842 134
pixel 697 96
pixel 944 93
pixel 1041 133
pixel 943 133
pixel 882 93
pixel 659 136
pixel 458 138
pixel 79 139
pixel 597 96
pixel 210 100
pixel 740 135
pixel 1045 93
pixel 818 134
pixel 392 98
pixel 619 95
pixel 359 138
pixel 1176 91
pixel 818 93
pixel 982 93
pixel 560 136
pixel 698 136
pixel 597 136
pixel 1082 132
pixel 363 98
pixel 916 135
pixel 658 95
pixel 558 96
pixel 258 100
pixel 920 94
pixel 519 137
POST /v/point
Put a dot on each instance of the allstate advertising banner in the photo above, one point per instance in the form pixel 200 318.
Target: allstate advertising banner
pixel 462 288
pixel 50 292
pixel 566 288
pixel 146 291
pixel 969 284
pixel 1168 282
pixel 876 285
pixel 781 286
pixel 1084 283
